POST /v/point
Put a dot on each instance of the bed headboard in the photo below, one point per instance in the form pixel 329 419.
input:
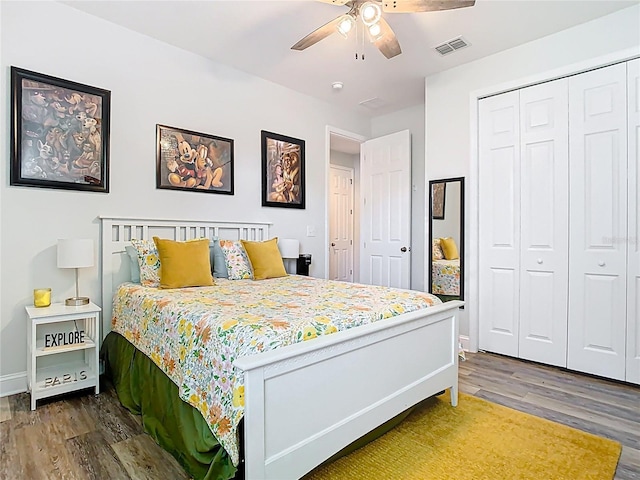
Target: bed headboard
pixel 117 233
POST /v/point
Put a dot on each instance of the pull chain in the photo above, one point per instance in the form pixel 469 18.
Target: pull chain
pixel 362 43
pixel 358 28
pixel 356 38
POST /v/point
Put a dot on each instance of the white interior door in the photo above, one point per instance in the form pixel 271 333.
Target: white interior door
pixel 633 236
pixel 544 230
pixel 499 223
pixel 386 211
pixel 341 223
pixel 598 222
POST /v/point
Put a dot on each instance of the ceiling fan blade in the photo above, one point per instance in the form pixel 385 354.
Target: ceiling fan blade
pixel 411 6
pixel 318 34
pixel 333 2
pixel 387 42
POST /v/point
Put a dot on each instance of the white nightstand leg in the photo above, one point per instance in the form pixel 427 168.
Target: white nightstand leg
pixel 32 364
pixel 95 329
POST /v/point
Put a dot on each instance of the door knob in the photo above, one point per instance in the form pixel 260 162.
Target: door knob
pixel 403 249
pixel 601 263
pixel 333 244
pixel 540 261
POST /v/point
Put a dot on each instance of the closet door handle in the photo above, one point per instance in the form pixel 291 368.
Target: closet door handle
pixel 601 263
pixel 539 261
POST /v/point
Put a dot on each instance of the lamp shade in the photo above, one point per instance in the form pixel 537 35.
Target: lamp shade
pixel 289 247
pixel 75 253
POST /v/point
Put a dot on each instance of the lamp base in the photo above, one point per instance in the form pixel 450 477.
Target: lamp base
pixel 76 301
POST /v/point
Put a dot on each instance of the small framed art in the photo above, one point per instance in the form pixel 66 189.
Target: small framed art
pixel 193 161
pixel 438 196
pixel 59 133
pixel 282 171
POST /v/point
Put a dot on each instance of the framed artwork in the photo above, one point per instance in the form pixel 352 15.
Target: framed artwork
pixel 438 196
pixel 282 171
pixel 193 161
pixel 59 133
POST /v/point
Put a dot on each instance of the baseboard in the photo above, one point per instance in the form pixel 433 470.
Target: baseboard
pixel 464 341
pixel 12 384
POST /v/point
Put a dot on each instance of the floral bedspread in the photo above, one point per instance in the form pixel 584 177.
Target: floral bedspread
pixel 195 334
pixel 445 275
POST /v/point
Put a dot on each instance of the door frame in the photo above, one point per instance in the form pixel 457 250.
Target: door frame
pixel 329 130
pixel 472 274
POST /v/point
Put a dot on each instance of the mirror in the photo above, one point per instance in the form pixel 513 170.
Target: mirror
pixel 446 248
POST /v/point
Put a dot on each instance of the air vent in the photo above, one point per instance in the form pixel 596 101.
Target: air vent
pixel 451 46
pixel 373 103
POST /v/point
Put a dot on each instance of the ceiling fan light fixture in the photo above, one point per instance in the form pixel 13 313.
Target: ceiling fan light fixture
pixel 371 13
pixel 345 25
pixel 375 31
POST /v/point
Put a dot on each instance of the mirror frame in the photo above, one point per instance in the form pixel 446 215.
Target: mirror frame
pixel 462 238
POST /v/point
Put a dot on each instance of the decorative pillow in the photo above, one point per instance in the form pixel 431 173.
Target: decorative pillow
pixel 184 264
pixel 437 253
pixel 148 261
pixel 265 259
pixel 449 248
pixel 132 253
pixel 219 265
pixel 236 260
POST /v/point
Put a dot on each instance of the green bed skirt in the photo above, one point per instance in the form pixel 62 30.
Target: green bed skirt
pixel 175 425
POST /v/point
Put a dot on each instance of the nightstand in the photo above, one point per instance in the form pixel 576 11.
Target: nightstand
pixel 62 349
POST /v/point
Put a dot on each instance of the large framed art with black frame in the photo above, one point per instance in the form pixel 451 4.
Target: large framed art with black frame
pixel 193 161
pixel 282 171
pixel 59 133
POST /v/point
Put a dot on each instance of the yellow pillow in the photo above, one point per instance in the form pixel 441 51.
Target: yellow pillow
pixel 449 248
pixel 265 259
pixel 184 264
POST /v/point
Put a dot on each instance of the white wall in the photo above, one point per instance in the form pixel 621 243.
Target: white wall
pixel 344 159
pixel 448 139
pixel 150 83
pixel 411 119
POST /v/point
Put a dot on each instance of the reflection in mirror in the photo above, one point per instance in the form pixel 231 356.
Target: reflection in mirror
pixel 446 225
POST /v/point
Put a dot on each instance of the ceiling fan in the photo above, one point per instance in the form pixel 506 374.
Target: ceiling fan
pixel 370 13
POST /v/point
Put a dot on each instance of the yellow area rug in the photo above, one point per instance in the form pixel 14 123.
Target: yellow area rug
pixel 477 440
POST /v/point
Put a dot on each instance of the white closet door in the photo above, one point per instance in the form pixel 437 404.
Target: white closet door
pixel 598 221
pixel 633 236
pixel 499 224
pixel 544 266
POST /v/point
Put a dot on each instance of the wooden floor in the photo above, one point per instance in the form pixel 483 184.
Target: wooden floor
pixel 93 437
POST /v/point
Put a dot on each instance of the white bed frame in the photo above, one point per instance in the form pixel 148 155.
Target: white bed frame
pixel 307 401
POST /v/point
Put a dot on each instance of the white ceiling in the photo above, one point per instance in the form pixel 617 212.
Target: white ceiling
pixel 256 36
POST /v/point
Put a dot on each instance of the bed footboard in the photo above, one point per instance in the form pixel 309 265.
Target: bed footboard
pixel 305 402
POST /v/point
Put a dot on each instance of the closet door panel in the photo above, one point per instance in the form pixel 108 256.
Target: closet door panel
pixel 633 236
pixel 544 228
pixel 598 220
pixel 499 227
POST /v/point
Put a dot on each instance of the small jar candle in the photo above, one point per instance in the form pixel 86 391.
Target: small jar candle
pixel 42 297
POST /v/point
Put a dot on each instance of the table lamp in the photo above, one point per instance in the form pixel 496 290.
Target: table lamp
pixel 75 253
pixel 289 249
